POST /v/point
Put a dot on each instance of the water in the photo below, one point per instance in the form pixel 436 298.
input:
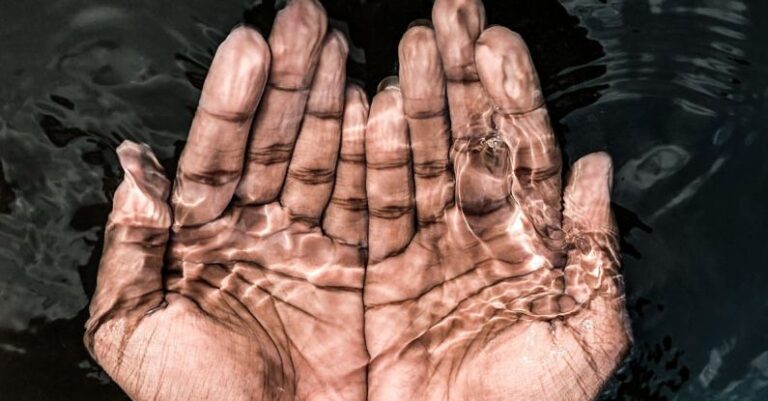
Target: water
pixel 675 90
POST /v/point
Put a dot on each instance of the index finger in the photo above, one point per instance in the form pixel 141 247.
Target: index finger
pixel 507 72
pixel 212 161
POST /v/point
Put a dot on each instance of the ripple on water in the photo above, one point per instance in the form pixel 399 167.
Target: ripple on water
pixel 101 81
pixel 39 249
pixel 683 91
pixel 665 57
pixel 6 192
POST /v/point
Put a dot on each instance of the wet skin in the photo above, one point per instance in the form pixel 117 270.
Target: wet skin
pixel 313 249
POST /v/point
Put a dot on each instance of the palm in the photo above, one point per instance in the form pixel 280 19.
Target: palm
pixel 253 294
pixel 290 291
pixel 463 319
pixel 177 353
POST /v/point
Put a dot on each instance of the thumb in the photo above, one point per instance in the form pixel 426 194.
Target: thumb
pixel 592 274
pixel 593 257
pixel 129 281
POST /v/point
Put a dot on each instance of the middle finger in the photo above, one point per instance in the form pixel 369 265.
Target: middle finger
pixel 295 41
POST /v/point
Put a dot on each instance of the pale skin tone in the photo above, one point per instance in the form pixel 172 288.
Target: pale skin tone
pixel 314 248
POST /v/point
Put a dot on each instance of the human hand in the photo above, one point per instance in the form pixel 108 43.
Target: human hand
pixel 477 286
pixel 257 292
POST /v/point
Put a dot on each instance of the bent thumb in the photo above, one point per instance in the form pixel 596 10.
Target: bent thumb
pixel 129 282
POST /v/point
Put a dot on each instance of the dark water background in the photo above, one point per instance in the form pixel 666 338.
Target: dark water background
pixel 675 90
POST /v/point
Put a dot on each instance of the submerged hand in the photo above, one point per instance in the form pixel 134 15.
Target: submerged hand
pixel 477 286
pixel 256 294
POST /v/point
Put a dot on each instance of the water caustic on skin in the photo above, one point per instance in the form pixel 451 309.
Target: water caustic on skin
pixel 442 202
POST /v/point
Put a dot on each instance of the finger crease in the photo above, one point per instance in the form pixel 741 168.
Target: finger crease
pixel 273 154
pixel 214 178
pixel 276 86
pixel 388 164
pixel 351 204
pixel 312 176
pixel 392 212
pixel 426 115
pixel 464 80
pixel 352 158
pixel 325 115
pixel 234 117
pixel 431 168
pixel 522 113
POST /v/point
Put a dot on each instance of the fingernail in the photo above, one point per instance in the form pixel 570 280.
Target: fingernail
pixel 593 168
pixel 421 22
pixel 245 25
pixel 389 82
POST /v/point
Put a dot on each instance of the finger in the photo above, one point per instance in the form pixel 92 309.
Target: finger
pixel 458 24
pixel 313 165
pixel 346 218
pixel 423 87
pixel 591 231
pixel 509 77
pixel 212 160
pixel 296 40
pixel 129 282
pixel 388 177
pixel 507 72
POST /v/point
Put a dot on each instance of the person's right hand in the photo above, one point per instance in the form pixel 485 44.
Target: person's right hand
pixel 257 294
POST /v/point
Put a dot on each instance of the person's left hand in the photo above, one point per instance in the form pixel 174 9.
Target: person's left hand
pixel 477 286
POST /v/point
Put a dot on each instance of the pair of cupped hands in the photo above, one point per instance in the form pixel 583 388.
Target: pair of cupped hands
pixel 314 247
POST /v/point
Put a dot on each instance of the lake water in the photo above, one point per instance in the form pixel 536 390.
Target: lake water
pixel 675 90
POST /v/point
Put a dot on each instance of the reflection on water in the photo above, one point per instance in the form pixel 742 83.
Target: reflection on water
pixel 673 89
pixel 658 163
pixel 682 110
